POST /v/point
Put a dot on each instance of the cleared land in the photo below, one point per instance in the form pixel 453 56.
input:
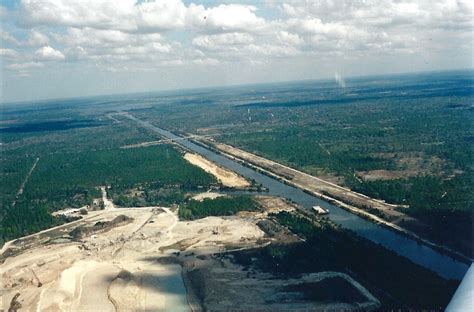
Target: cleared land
pixel 116 268
pixel 226 177
pixel 211 195
pixel 127 259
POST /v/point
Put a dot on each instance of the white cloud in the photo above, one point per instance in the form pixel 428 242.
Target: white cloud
pixel 222 41
pixel 384 13
pixel 27 65
pixel 6 37
pixel 160 15
pixel 37 39
pixel 9 53
pixel 90 37
pixel 139 17
pixel 78 13
pixel 144 35
pixel 314 26
pixel 290 39
pixel 124 15
pixel 225 18
pixel 47 53
pixel 104 45
pixel 207 62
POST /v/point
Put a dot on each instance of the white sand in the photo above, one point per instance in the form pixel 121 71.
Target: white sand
pixel 225 176
pixel 210 195
pixel 83 275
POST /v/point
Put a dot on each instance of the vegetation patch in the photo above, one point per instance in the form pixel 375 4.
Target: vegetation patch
pixel 55 125
pixel 71 180
pixel 221 206
pixel 25 218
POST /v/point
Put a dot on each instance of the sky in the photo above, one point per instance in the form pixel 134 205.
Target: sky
pixel 69 48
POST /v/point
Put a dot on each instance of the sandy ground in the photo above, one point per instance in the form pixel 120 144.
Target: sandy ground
pixel 119 268
pixel 226 177
pixel 108 204
pixel 147 261
pixel 210 195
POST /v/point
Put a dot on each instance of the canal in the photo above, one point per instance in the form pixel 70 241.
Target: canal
pixel 417 252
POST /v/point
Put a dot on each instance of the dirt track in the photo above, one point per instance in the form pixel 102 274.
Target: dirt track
pixel 22 186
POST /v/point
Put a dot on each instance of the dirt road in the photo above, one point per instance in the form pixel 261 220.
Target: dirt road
pixel 22 186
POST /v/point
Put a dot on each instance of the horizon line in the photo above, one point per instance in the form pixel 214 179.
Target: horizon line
pixel 187 89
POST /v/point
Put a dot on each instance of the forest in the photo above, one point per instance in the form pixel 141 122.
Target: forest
pixel 220 206
pixel 71 179
pixel 78 151
pixel 63 180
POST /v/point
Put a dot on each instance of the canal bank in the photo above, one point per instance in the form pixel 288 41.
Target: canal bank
pixel 418 252
pixel 269 171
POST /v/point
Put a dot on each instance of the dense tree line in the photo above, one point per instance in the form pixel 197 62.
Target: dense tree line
pixel 12 174
pixel 446 206
pixel 221 206
pixel 74 161
pixel 25 218
pixel 431 139
pixel 72 179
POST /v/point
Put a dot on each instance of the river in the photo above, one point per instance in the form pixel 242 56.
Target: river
pixel 419 253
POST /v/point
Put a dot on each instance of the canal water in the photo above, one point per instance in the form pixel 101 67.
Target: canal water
pixel 419 253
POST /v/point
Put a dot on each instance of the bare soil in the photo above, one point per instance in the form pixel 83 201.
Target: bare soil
pixel 225 176
pixel 146 259
pixel 84 273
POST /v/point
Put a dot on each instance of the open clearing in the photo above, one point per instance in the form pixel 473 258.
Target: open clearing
pixel 116 268
pixel 209 195
pixel 145 259
pixel 226 177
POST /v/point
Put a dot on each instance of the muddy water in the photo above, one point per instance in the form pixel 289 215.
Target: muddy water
pixel 421 254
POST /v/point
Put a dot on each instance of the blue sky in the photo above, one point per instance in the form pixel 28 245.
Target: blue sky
pixel 66 48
